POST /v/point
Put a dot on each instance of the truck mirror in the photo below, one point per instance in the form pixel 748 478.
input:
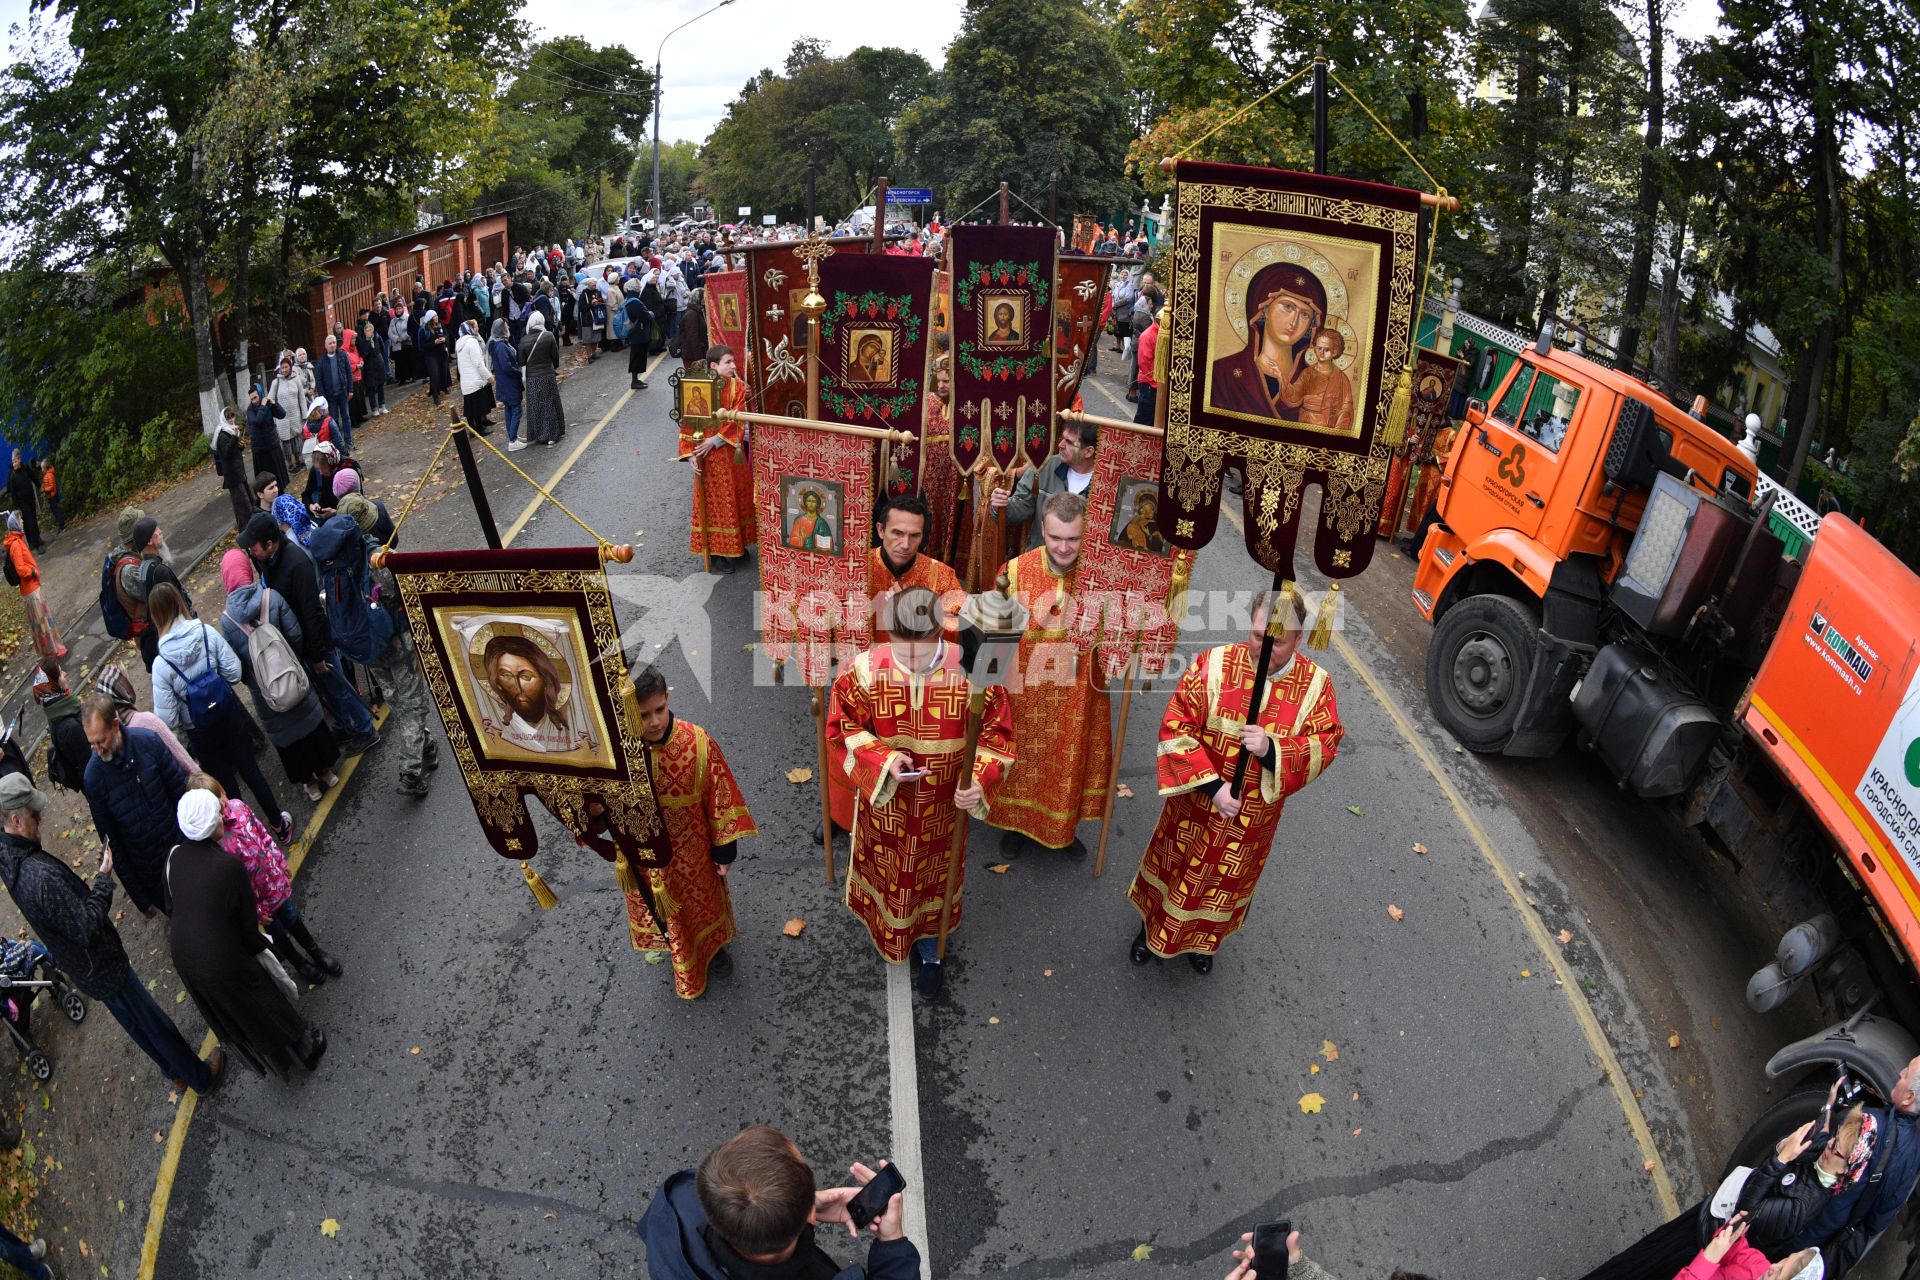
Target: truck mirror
pixel 1476 412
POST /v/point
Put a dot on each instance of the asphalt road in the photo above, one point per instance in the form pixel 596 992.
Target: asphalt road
pixel 1070 1107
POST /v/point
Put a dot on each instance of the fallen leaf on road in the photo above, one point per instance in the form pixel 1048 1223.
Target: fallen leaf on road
pixel 1356 1095
pixel 993 1022
pixel 656 957
pixel 1526 973
pixel 1124 791
pixel 1420 849
pixel 1647 1165
pixel 173 1096
pixel 179 997
pixel 1566 936
pixel 1313 1068
pixel 1046 973
pixel 1395 912
pixel 329 1228
pixel 1001 868
pixel 1356 811
pixel 1141 1252
pixel 797 776
pixel 1330 1051
pixel 553 1217
pixel 85 1250
pixel 415 1049
pixel 157 1137
pixel 123 1206
pixel 1358 1132
pixel 793 927
pixel 1312 1103
pixel 1673 1041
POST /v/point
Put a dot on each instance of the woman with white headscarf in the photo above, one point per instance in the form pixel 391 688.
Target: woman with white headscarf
pixel 476 377
pixel 545 421
pixel 223 959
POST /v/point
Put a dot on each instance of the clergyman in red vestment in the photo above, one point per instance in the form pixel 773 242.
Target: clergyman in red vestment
pixel 1198 874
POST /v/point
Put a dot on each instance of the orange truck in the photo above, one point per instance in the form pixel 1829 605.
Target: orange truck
pixel 1599 566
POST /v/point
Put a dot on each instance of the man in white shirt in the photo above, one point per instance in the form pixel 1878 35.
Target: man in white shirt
pixel 1073 473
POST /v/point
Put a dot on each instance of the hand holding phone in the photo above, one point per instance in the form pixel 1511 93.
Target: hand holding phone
pixel 1270 1254
pixel 881 1187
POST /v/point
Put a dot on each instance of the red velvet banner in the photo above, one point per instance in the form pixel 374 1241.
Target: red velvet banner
pixel 873 349
pixel 813 491
pixel 1003 296
pixel 1127 568
pixel 1080 289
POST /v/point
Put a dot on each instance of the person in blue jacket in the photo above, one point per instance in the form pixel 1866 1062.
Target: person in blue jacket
pixel 750 1211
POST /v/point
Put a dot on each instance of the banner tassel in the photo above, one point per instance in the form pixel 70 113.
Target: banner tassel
pixel 541 893
pixel 1323 625
pixel 1394 431
pixel 623 874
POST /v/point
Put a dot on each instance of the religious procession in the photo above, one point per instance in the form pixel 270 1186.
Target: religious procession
pixel 1183 638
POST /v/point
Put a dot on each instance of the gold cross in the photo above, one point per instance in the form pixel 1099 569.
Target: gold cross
pixel 812 251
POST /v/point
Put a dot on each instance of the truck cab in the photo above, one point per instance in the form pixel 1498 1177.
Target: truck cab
pixel 1526 574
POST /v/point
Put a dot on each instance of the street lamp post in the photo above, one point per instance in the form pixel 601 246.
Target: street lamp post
pixel 656 104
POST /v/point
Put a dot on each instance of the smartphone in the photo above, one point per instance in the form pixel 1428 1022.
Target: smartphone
pixel 911 775
pixel 872 1200
pixel 1270 1250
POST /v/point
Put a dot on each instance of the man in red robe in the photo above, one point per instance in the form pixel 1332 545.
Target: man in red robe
pixel 897 728
pixel 724 525
pixel 1204 860
pixel 706 816
pixel 1058 715
pixel 892 567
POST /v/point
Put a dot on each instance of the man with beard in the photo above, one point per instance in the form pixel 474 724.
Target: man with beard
pixel 148 541
pixel 1059 715
pixel 527 686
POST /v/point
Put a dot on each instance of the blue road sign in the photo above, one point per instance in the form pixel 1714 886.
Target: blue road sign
pixel 910 195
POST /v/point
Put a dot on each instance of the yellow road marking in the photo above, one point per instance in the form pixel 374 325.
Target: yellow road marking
pixel 183 1115
pixel 1543 942
pixel 526 513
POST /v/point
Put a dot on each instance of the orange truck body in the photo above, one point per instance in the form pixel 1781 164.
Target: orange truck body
pixel 1836 707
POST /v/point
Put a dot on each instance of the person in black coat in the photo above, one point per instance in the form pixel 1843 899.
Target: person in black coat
pixel 132 785
pixel 263 437
pixel 75 924
pixel 217 944
pixel 23 486
pixel 289 570
pixel 230 460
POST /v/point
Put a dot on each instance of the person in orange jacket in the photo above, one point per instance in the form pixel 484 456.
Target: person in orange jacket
pixel 51 487
pixel 24 571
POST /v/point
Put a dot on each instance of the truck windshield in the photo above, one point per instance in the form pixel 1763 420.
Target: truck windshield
pixel 1539 406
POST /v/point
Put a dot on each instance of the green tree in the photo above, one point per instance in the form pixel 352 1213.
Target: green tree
pixel 594 106
pixel 1032 91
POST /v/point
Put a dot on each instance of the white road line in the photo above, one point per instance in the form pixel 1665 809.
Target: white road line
pixel 903 1069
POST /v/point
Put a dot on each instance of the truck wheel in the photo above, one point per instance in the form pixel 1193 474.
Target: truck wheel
pixel 1478 664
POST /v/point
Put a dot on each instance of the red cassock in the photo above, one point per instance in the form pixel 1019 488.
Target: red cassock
pixel 1200 869
pixel 1058 715
pixel 702 807
pixel 926 572
pixel 903 831
pixel 940 483
pixel 723 521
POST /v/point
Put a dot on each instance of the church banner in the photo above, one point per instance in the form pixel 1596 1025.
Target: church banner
pixel 813 491
pixel 1433 376
pixel 522 653
pixel 726 293
pixel 1128 570
pixel 776 281
pixel 1002 322
pixel 873 349
pixel 1292 316
pixel 1080 288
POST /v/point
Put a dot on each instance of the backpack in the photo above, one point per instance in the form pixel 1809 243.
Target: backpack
pixel 278 674
pixel 13 574
pixel 124 611
pixel 209 698
pixel 362 629
pixel 67 761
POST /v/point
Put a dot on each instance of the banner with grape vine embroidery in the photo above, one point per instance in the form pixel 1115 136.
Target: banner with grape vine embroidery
pixel 1003 301
pixel 873 350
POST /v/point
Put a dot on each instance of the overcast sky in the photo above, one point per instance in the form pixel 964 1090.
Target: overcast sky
pixel 706 64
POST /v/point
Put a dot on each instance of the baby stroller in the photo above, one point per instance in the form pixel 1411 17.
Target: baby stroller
pixel 25 970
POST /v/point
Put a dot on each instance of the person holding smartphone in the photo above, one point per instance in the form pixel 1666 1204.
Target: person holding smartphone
pixel 751 1210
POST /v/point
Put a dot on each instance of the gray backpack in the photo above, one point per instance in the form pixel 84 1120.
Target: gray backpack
pixel 278 673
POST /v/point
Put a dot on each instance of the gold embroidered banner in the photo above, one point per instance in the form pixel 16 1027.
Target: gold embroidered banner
pixel 1292 313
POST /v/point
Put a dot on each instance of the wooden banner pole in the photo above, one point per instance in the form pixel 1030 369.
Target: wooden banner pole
pixel 880 215
pixel 1112 424
pixel 976 708
pixel 700 512
pixel 1113 773
pixel 820 703
pixel 476 487
pixel 834 428
pixel 1006 212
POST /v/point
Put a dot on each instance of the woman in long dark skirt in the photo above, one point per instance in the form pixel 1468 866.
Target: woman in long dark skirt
pixel 217 944
pixel 300 736
pixel 544 421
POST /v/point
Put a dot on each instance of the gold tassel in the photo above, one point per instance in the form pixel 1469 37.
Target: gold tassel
pixel 1400 411
pixel 1323 625
pixel 623 874
pixel 1177 587
pixel 541 893
pixel 1163 353
pixel 663 897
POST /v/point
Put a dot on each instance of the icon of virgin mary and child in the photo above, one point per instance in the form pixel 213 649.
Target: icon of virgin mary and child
pixel 1272 377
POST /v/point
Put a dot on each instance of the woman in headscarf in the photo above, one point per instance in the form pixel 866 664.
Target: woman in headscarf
pixel 291 514
pixel 217 947
pixel 476 377
pixel 539 369
pixel 230 459
pixel 24 569
pixel 433 350
pixel 300 736
pixel 373 342
pixel 506 383
pixel 247 839
pixel 590 316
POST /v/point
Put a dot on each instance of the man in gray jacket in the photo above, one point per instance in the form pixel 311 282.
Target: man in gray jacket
pixel 1072 473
